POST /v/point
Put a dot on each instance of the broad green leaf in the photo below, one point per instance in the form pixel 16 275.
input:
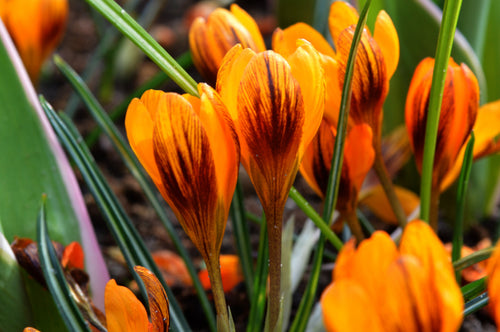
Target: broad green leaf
pixel 15 311
pixel 33 164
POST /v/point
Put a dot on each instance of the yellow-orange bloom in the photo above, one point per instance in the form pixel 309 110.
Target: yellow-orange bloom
pixel 376 62
pixel 380 288
pixel 125 313
pixel 493 272
pixel 486 139
pixel 358 160
pixel 276 105
pixel 36 27
pixel 231 273
pixel 189 148
pixel 458 114
pixel 211 39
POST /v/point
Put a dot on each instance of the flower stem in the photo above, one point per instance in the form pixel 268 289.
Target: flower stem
pixel 352 220
pixel 385 181
pixel 274 217
pixel 213 268
pixel 434 207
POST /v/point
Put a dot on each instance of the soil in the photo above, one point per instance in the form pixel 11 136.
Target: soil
pixel 119 71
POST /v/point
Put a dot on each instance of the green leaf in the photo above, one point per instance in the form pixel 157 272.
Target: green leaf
pixel 458 229
pixel 133 31
pixel 125 234
pixel 474 289
pixel 33 163
pixel 15 311
pixel 55 279
pixel 286 271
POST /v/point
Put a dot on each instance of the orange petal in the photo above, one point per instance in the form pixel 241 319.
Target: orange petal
pixel 342 15
pixel 316 163
pixel 73 256
pixel 376 199
pixel 183 154
pixel 486 134
pixel 223 139
pixel 386 36
pixel 359 154
pixel 230 270
pixel 493 271
pixel 341 303
pixel 370 82
pixel 139 127
pixel 407 280
pixel 173 268
pixel 250 24
pixel 210 40
pixel 157 298
pixel 124 312
pixel 307 70
pixel 285 41
pixel 36 27
pixel 371 262
pixel 30 329
pixel 345 261
pixel 271 119
pixel 419 240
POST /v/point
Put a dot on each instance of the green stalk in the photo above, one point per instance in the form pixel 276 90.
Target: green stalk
pixel 473 258
pixel 240 231
pixel 458 229
pixel 474 305
pixel 445 42
pixel 304 205
pixel 133 31
pixel 258 305
pixel 213 268
pixel 474 289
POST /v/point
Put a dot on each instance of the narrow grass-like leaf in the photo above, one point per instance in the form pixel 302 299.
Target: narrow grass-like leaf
pixel 156 81
pixel 304 205
pixel 301 252
pixel 300 322
pixel 131 245
pixel 242 240
pixel 477 303
pixel 445 42
pixel 128 157
pixel 365 223
pixel 133 31
pixel 458 226
pixel 55 279
pixel 474 289
pixel 473 258
pixel 258 306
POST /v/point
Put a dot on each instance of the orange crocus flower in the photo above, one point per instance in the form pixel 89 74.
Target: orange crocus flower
pixel 211 39
pixel 358 160
pixel 376 61
pixel 412 288
pixel 458 114
pixel 189 147
pixel 231 273
pixel 277 106
pixel 487 142
pixel 125 313
pixel 493 272
pixel 36 27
